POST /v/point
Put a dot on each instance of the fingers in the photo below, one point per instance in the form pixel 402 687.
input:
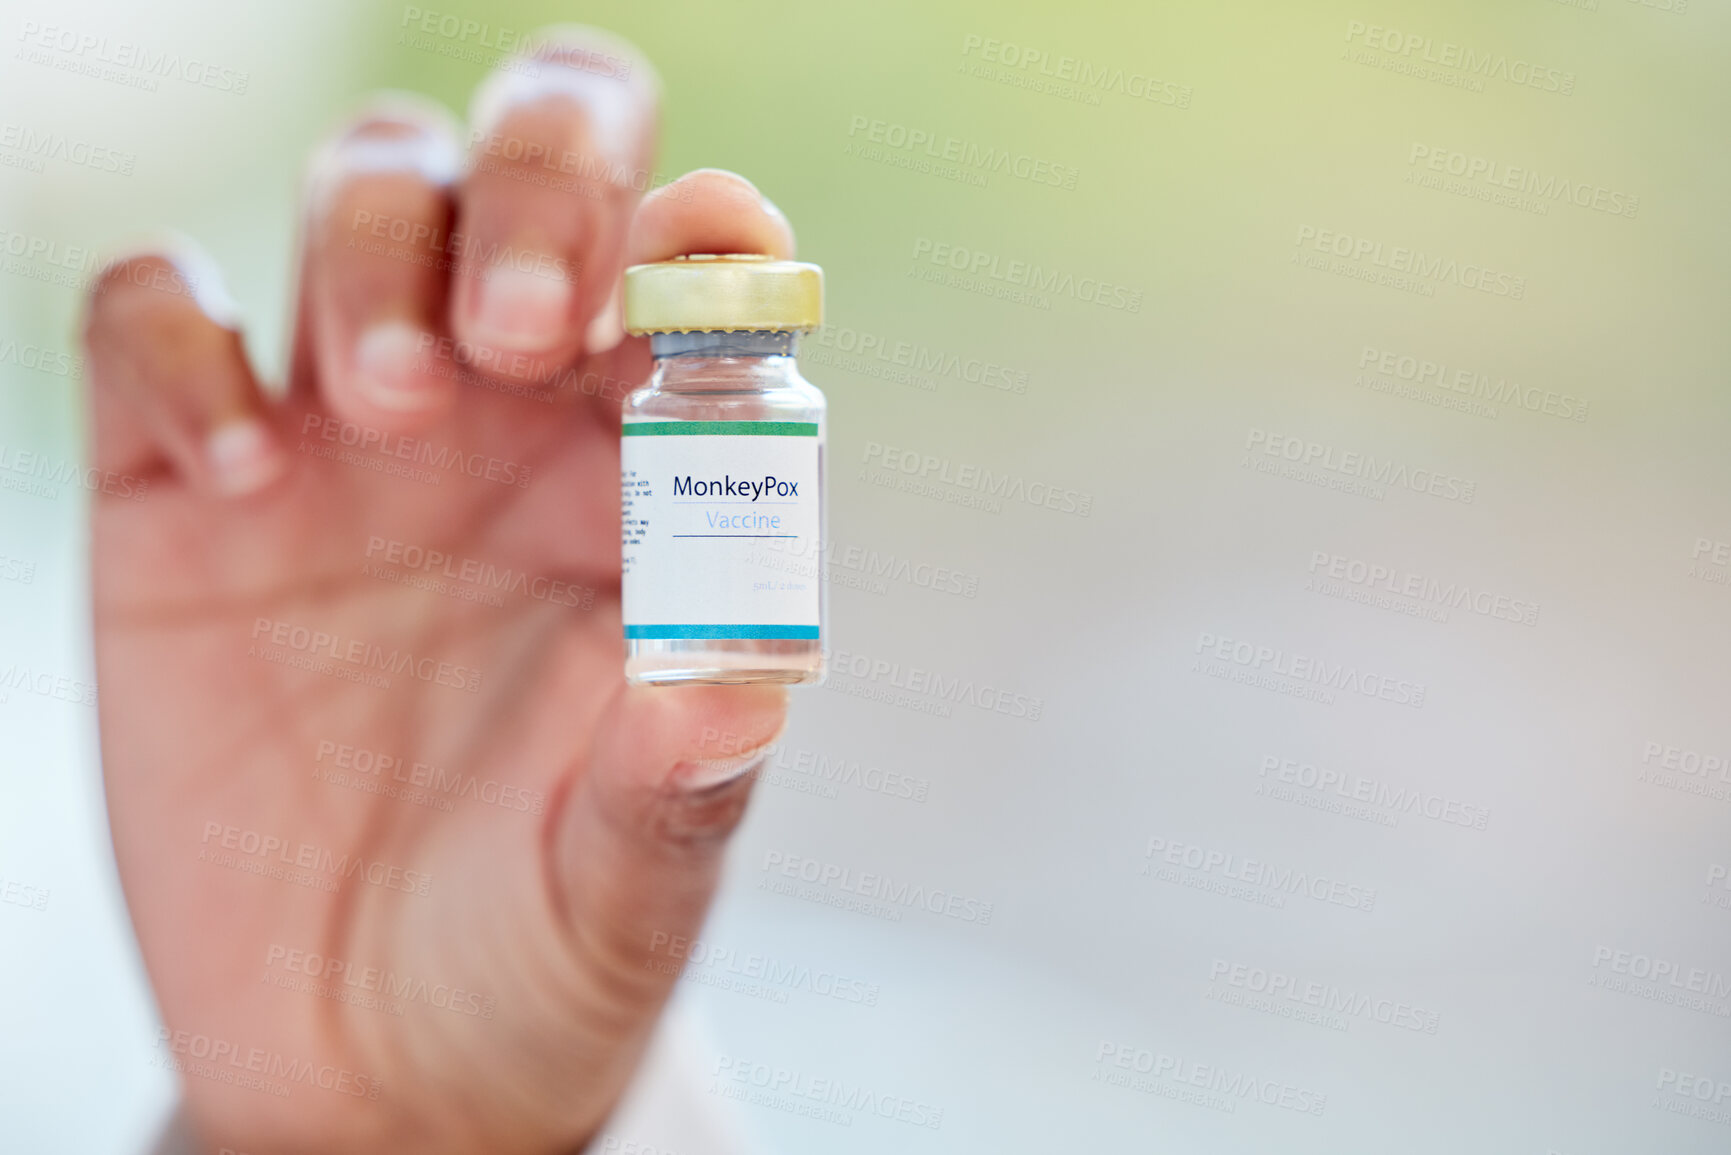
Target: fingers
pixel 640 845
pixel 170 383
pixel 521 262
pixel 377 258
pixel 709 210
pixel 561 153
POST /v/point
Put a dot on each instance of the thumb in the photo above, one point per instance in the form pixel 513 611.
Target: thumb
pixel 638 850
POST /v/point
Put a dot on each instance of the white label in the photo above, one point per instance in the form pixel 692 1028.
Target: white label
pixel 712 511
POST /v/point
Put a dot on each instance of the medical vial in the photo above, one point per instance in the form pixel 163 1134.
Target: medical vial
pixel 721 475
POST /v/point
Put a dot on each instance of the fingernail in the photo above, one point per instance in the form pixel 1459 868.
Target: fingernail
pixel 243 456
pixel 385 372
pixel 710 773
pixel 520 310
pixel 606 330
pixel 706 773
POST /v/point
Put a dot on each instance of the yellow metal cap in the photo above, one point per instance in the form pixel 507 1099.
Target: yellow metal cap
pixel 736 292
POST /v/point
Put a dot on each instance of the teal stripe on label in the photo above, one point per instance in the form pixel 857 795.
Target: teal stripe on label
pixel 759 633
pixel 718 429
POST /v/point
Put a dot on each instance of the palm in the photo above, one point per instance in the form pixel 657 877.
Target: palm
pixel 202 727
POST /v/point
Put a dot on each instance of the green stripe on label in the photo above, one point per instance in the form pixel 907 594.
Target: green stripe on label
pixel 718 429
pixel 759 633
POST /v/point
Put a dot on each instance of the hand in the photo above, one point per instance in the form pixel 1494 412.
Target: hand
pixel 489 845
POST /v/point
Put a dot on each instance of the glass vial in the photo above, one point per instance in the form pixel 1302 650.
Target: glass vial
pixel 721 476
